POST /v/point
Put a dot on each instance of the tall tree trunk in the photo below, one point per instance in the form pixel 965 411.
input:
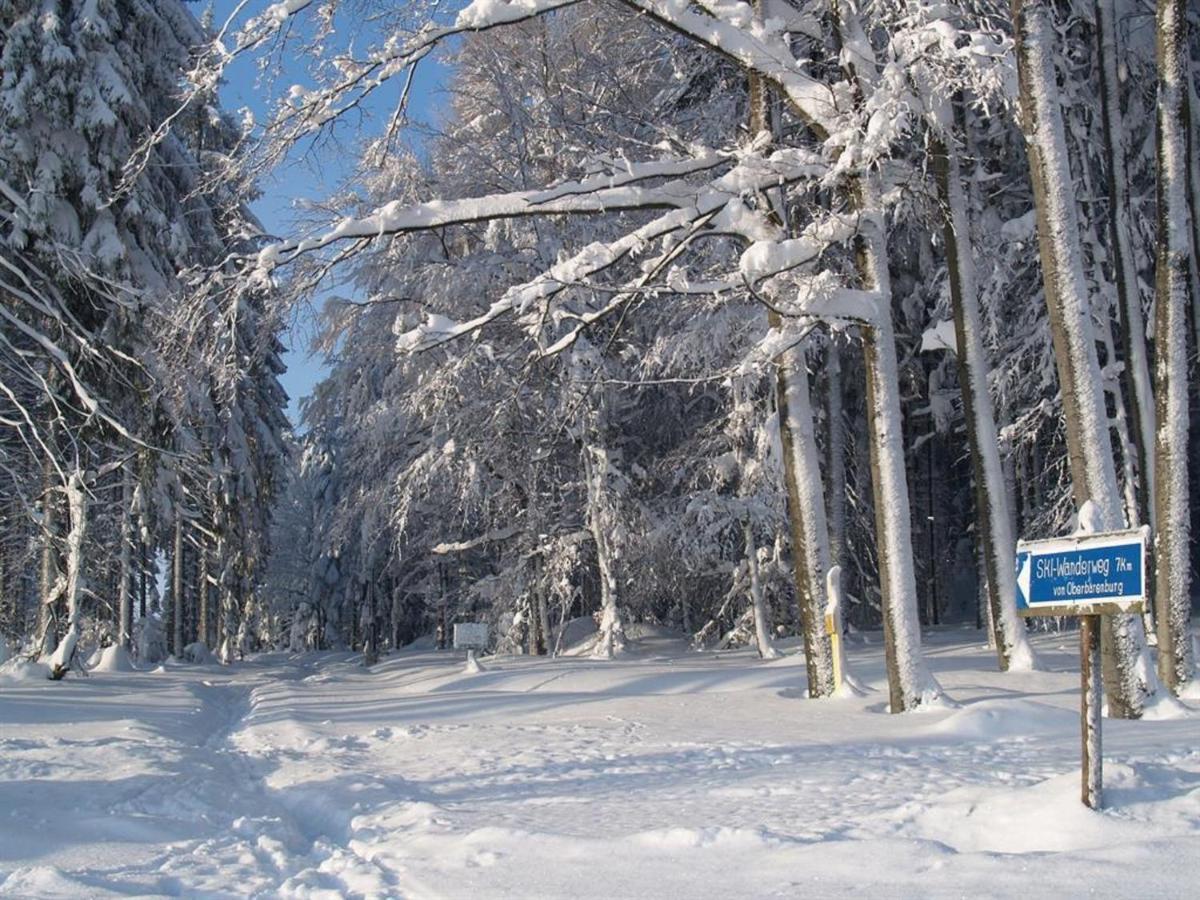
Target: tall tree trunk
pixel 1089 446
pixel 125 568
pixel 49 571
pixel 992 520
pixel 1172 298
pixel 77 510
pixel 910 683
pixel 801 469
pixel 758 603
pixel 177 586
pixel 836 446
pixel 806 513
pixel 611 640
pixel 369 629
pixel 1136 370
pixel 203 592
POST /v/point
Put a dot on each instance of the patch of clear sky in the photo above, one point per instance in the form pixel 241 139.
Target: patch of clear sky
pixel 313 174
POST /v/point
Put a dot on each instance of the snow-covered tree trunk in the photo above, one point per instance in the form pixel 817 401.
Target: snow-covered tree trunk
pixel 1089 446
pixel 835 444
pixel 124 568
pixel 801 468
pixel 228 623
pixel 992 520
pixel 1172 549
pixel 203 594
pixel 758 603
pixel 909 681
pixel 370 629
pixel 49 574
pixel 77 510
pixel 806 512
pixel 1136 371
pixel 177 586
pixel 611 639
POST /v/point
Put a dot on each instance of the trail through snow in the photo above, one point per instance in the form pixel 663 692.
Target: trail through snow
pixel 664 773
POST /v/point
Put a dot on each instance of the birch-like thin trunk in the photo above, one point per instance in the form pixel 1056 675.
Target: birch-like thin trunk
pixel 1136 371
pixel 48 569
pixel 992 521
pixel 370 632
pixel 77 509
pixel 1172 552
pixel 836 446
pixel 909 681
pixel 125 576
pixel 611 639
pixel 177 587
pixel 762 618
pixel 203 593
pixel 227 623
pixel 801 471
pixel 806 513
pixel 1089 445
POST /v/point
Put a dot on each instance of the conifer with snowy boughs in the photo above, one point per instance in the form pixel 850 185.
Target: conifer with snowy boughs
pixel 112 382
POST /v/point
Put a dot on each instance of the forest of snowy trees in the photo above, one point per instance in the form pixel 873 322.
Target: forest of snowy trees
pixel 706 314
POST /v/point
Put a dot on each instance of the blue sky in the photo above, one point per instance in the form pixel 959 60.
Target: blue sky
pixel 300 180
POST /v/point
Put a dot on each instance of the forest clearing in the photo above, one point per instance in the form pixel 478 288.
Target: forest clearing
pixel 664 773
pixel 790 407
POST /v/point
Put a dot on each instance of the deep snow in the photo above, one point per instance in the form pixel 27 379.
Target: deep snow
pixel 661 774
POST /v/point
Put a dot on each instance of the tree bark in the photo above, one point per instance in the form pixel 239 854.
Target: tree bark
pixel 1172 552
pixel 125 573
pixel 177 586
pixel 611 640
pixel 1136 371
pixel 77 510
pixel 762 618
pixel 203 593
pixel 992 521
pixel 1089 446
pixel 801 469
pixel 48 568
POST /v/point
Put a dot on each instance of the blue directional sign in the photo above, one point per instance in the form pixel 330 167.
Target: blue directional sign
pixel 1082 575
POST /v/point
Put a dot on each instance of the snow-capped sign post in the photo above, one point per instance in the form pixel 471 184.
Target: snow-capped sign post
pixel 471 636
pixel 1086 575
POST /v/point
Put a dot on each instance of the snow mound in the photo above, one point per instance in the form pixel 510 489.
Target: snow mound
pixel 1045 817
pixel 990 720
pixel 199 654
pixel 575 632
pixel 18 669
pixel 113 658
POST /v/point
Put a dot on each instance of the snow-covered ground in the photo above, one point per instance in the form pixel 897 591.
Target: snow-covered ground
pixel 662 774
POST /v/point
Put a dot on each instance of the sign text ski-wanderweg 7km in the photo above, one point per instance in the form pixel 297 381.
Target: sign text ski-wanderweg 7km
pixel 1088 576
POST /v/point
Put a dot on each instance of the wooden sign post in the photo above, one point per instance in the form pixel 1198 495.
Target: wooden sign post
pixel 1089 576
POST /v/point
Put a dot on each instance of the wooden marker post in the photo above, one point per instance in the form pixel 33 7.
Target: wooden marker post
pixel 1090 699
pixel 1088 576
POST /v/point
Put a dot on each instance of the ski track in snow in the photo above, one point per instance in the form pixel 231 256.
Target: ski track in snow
pixel 663 773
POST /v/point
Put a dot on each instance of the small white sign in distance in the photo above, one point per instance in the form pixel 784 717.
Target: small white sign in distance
pixel 1090 574
pixel 470 636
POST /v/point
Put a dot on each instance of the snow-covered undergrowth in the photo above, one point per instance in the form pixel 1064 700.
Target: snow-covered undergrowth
pixel 662 773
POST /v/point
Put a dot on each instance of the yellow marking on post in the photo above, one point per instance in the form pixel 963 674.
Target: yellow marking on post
pixel 835 648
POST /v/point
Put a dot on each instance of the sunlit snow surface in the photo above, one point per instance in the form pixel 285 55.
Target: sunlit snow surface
pixel 661 774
